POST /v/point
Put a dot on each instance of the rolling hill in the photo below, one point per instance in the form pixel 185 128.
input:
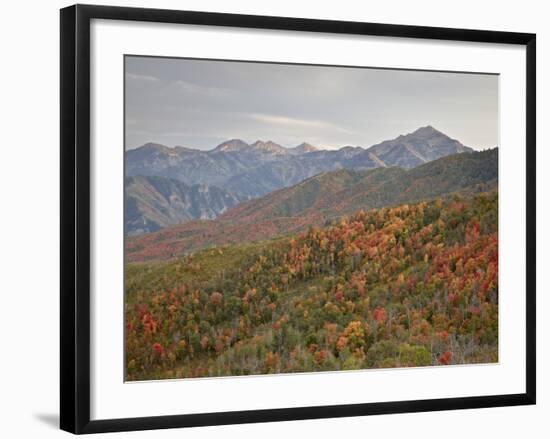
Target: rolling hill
pixel 407 286
pixel 320 199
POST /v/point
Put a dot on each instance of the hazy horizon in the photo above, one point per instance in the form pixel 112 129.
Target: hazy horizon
pixel 200 104
pixel 330 148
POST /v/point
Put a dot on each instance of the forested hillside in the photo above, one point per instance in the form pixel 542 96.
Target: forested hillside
pixel 412 285
pixel 319 200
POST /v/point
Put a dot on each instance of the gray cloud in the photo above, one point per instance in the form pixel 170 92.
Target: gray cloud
pixel 201 103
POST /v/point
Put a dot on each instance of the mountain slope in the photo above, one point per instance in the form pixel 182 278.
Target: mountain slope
pixel 274 175
pixel 411 285
pixel 321 199
pixel 421 146
pixel 156 202
pixel 345 191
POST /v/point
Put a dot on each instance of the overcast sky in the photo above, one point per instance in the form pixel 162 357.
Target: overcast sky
pixel 199 104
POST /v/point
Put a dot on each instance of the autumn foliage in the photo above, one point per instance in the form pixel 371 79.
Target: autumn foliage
pixel 413 285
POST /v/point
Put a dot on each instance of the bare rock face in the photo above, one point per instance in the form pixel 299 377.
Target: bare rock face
pixel 156 202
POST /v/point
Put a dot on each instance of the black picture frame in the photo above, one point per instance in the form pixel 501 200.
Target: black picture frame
pixel 75 217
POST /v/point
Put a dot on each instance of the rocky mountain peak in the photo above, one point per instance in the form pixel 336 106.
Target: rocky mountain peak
pixel 231 146
pixel 268 146
pixel 426 132
pixel 151 146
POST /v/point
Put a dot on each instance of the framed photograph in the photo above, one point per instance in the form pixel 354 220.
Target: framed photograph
pixel 268 218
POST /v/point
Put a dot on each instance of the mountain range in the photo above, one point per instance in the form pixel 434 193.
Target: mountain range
pixel 166 186
pixel 259 168
pixel 321 199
